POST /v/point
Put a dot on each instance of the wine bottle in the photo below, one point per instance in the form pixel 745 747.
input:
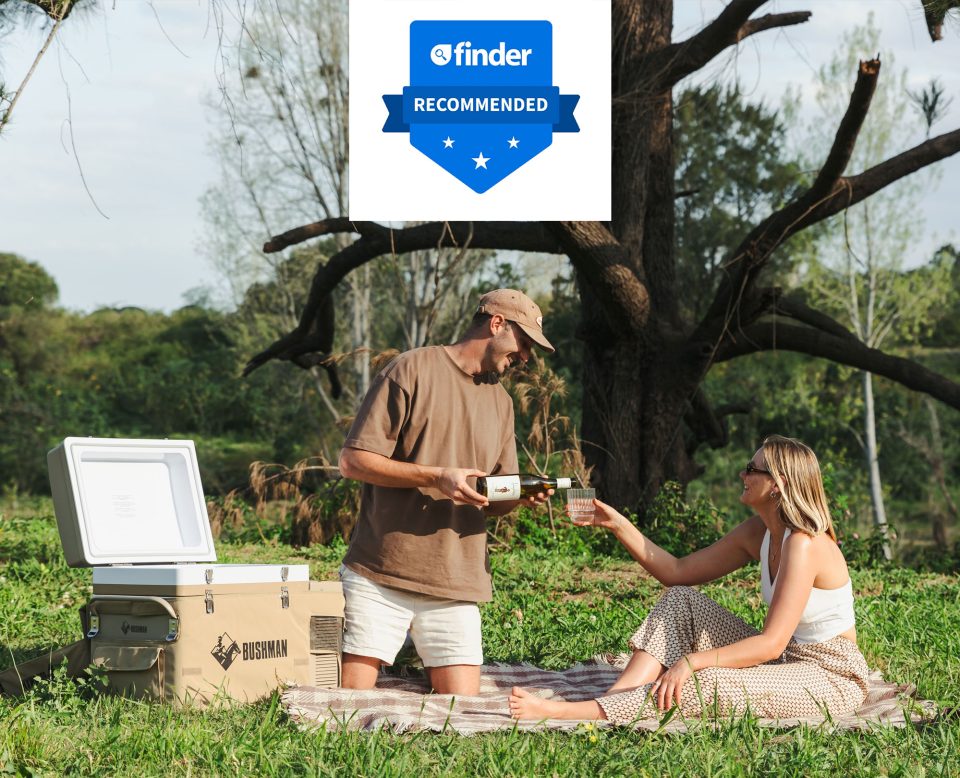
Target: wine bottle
pixel 497 488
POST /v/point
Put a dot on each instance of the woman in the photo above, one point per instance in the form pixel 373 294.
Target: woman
pixel 692 652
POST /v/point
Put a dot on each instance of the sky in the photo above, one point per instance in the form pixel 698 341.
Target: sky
pixel 108 154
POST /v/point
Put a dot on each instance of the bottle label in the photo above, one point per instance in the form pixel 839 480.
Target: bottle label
pixel 564 483
pixel 503 487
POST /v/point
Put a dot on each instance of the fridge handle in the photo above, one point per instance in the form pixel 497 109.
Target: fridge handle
pixel 173 626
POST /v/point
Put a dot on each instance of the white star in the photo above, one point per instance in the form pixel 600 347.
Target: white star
pixel 481 161
pixel 448 142
pixel 513 142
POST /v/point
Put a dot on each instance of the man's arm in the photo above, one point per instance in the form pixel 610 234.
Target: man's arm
pixel 379 470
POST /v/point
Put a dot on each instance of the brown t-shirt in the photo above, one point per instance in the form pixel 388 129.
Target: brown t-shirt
pixel 423 408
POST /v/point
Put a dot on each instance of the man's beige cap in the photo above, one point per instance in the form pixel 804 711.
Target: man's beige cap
pixel 515 306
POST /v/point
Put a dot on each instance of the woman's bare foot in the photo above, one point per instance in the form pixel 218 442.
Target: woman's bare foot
pixel 524 705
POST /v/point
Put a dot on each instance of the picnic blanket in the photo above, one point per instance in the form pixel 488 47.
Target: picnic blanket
pixel 404 704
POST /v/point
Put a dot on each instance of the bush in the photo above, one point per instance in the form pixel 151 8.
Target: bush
pixel 681 527
pixel 528 528
pixel 859 551
pixel 303 505
pixel 225 463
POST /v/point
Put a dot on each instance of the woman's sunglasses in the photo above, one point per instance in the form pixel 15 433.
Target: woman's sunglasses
pixel 752 468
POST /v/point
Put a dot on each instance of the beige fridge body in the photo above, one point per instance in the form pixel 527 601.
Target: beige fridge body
pixel 165 621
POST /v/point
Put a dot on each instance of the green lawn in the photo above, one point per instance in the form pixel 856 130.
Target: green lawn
pixel 573 602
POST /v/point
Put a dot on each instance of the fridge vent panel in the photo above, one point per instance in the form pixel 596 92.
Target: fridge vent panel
pixel 326 671
pixel 326 633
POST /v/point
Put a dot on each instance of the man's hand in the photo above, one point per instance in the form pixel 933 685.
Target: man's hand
pixel 537 499
pixel 505 507
pixel 452 481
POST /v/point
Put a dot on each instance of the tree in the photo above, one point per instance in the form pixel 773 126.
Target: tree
pixel 644 359
pixel 283 149
pixel 860 276
pixel 732 166
pixel 938 449
pixel 25 283
pixel 27 294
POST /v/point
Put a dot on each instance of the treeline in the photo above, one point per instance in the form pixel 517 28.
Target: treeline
pixel 128 372
pixel 134 373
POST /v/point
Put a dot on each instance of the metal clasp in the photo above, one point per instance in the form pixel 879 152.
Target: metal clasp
pixel 284 597
pixel 94 625
pixel 208 600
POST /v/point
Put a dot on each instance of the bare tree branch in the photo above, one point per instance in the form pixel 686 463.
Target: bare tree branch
pixel 58 14
pixel 704 424
pixel 679 60
pixel 602 265
pixel 848 131
pixel 308 231
pixel 851 190
pixel 801 312
pixel 768 336
pixel 519 236
pixel 376 240
pixel 752 254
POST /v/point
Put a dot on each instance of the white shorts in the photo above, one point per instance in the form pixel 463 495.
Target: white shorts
pixel 377 618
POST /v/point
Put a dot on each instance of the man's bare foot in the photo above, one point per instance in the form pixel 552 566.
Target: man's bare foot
pixel 524 705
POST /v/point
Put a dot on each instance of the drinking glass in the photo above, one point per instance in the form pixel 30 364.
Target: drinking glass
pixel 580 506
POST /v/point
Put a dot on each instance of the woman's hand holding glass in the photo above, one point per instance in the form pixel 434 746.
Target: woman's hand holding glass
pixel 603 516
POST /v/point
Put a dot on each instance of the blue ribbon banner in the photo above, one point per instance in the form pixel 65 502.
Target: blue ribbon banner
pixel 481 102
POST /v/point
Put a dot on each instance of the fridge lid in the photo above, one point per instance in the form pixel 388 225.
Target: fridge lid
pixel 123 501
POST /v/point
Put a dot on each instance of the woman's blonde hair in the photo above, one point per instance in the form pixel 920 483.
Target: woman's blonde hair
pixel 794 468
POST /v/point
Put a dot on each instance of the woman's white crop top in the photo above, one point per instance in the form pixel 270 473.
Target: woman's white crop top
pixel 828 612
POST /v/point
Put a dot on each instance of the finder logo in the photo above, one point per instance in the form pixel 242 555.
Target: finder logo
pixel 440 54
pixel 466 55
pixel 484 104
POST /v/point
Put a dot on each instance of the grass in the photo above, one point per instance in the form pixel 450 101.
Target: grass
pixel 553 606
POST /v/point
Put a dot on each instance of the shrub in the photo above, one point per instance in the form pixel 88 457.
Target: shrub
pixel 304 505
pixel 681 527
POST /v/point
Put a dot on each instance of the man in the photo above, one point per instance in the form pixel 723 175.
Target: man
pixel 433 418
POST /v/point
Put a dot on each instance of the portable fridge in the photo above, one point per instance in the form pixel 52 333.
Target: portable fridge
pixel 165 621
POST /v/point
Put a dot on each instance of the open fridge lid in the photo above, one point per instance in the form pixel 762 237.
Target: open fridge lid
pixel 129 501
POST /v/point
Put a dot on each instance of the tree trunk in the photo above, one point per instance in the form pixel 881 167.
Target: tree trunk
pixel 360 329
pixel 937 464
pixel 873 463
pixel 634 400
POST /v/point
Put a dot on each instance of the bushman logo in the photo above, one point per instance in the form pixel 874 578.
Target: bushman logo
pixel 225 651
pixel 264 649
pixel 126 627
pixel 502 489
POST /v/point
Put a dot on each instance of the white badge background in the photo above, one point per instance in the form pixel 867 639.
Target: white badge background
pixel 392 181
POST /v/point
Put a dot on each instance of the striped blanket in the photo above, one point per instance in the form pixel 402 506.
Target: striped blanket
pixel 404 704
